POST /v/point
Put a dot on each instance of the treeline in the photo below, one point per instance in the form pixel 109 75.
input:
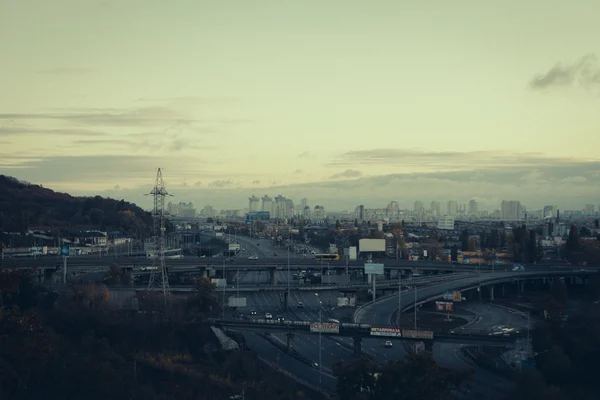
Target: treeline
pixel 73 347
pixel 566 346
pixel 23 205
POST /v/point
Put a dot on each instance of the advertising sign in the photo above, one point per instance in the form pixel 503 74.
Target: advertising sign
pixel 392 332
pixel 64 250
pixel 373 269
pixel 457 297
pixel 446 306
pixel 448 296
pixel 371 245
pixel 324 327
pixel 414 334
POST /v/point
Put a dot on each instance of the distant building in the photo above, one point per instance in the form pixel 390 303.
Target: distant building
pixel 473 207
pixel 253 204
pixel 452 208
pixel 446 222
pixel 511 210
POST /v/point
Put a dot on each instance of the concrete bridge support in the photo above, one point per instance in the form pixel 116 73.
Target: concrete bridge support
pixel 357 346
pixel 231 276
pixel 290 340
pixel 428 346
pixel 273 276
pixel 491 293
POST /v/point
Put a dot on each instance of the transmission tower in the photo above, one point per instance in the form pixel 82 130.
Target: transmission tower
pixel 158 274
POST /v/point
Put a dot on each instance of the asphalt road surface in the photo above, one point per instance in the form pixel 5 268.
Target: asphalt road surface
pixel 487 385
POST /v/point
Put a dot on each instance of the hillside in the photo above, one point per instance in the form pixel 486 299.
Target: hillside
pixel 24 206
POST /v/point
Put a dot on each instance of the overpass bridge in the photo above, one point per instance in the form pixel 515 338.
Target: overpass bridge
pixel 358 332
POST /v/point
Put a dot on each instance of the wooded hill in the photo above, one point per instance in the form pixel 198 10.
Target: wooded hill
pixel 24 205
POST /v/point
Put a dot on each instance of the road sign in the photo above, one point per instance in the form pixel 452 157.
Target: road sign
pixel 373 269
pixel 392 332
pixel 324 327
pixel 64 250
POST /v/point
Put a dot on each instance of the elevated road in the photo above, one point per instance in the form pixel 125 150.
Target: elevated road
pixel 366 331
pixel 296 263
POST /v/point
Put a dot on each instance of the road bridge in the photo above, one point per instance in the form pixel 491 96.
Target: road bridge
pixel 358 332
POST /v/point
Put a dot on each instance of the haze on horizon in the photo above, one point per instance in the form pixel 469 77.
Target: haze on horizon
pixel 342 102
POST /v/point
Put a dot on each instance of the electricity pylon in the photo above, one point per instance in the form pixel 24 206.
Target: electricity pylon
pixel 159 278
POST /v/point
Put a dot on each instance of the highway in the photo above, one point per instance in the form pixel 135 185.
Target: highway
pixel 242 262
pixel 487 384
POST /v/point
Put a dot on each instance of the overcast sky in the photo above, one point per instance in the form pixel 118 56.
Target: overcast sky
pixel 340 101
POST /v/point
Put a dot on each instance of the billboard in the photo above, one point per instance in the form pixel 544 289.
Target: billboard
pixel 325 327
pixel 457 296
pixel 446 306
pixel 64 250
pixel 220 283
pixel 352 254
pixel 373 269
pixel 234 247
pixel 371 245
pixel 236 302
pixel 391 332
pixel 414 334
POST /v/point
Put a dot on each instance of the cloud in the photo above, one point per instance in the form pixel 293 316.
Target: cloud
pixel 349 173
pixel 221 183
pixel 9 130
pixel 256 182
pixel 116 187
pixel 305 154
pixel 199 183
pixel 585 73
pixel 65 71
pixel 433 161
pixel 298 171
pixel 575 179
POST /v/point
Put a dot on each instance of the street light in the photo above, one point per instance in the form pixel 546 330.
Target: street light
pixel 288 274
pixel 320 322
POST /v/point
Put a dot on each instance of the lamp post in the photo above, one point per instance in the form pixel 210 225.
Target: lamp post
pixel 320 324
pixel 399 296
pixel 287 303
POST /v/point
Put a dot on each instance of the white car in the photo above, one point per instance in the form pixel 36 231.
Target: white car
pixel 269 315
pixel 253 258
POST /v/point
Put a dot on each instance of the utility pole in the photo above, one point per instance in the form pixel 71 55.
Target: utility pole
pixel 399 296
pixel 287 303
pixel 415 308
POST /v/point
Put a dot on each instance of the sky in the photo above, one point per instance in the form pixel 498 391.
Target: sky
pixel 343 102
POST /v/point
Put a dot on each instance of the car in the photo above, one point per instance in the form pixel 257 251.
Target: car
pixel 280 319
pixel 300 304
pixel 253 312
pixel 388 344
pixel 253 258
pixel 268 315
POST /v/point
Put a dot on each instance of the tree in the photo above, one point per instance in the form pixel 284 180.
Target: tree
pixel 464 240
pixel 115 273
pixel 204 301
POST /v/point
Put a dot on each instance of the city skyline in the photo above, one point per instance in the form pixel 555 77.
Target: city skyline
pixel 341 103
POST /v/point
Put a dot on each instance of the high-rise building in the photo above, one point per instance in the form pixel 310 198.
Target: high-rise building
pixel 267 204
pixel 419 207
pixel 435 208
pixel 589 209
pixel 549 211
pixel 452 208
pixel 253 204
pixel 393 209
pixel 511 210
pixel 472 207
pixel 303 203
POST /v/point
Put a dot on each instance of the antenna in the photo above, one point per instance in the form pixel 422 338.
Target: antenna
pixel 159 278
